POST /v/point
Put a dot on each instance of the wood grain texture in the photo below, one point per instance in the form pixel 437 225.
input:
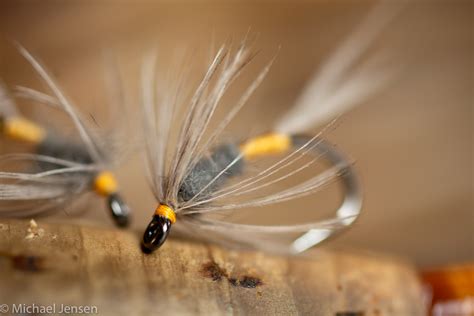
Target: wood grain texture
pixel 75 265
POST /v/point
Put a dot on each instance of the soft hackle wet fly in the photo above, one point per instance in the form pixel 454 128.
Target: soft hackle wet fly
pixel 64 169
pixel 191 184
pixel 191 177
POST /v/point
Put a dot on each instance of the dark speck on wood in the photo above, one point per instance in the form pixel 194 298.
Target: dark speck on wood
pixel 214 272
pixel 28 263
pixel 233 281
pixel 250 282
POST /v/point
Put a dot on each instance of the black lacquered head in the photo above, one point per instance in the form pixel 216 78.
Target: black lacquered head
pixel 156 233
pixel 119 210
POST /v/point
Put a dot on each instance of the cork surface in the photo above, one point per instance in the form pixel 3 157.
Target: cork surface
pixel 82 266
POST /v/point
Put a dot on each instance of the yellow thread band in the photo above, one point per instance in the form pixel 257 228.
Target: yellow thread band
pixel 166 212
pixel 272 143
pixel 105 183
pixel 18 128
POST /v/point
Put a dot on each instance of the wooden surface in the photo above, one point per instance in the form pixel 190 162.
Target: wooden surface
pixel 74 265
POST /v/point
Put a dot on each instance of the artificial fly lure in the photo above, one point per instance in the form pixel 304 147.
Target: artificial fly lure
pixel 192 178
pixel 194 181
pixel 64 169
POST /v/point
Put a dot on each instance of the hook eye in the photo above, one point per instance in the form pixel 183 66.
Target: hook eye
pixel 119 210
pixel 156 233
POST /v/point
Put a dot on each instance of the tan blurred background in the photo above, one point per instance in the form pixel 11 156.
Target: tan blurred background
pixel 412 143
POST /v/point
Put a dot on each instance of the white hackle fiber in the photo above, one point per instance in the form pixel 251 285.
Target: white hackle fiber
pixel 344 80
pixel 7 105
pixel 67 106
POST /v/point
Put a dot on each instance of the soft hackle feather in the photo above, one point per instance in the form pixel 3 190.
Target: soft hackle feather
pixel 346 78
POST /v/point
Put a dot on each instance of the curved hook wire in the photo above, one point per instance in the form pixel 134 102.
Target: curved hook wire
pixel 351 205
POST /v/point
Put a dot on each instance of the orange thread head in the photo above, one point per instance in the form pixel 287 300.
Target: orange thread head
pixel 105 183
pixel 166 212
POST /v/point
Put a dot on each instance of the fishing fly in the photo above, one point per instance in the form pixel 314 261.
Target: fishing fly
pixel 192 178
pixel 64 169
